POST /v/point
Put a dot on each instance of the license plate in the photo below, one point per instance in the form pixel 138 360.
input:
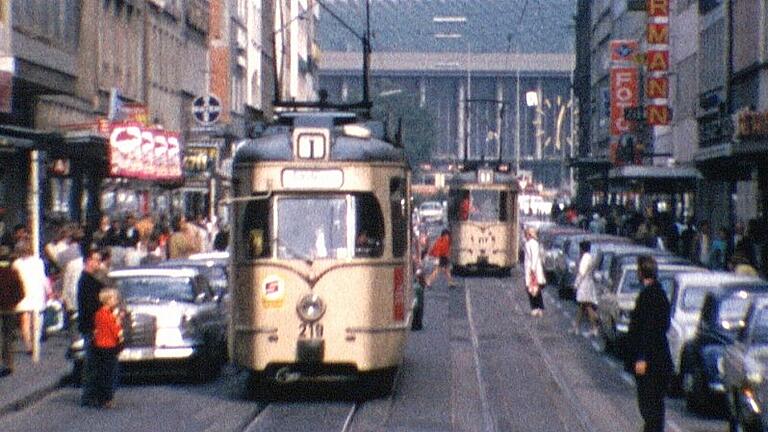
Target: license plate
pixel 312 330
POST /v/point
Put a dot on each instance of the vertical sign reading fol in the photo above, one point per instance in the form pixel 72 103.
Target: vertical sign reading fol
pixel 624 76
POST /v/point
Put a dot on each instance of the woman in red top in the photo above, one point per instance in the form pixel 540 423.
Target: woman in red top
pixel 441 250
pixel 107 341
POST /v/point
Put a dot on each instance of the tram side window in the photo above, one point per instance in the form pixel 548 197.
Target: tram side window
pixel 455 199
pixel 369 226
pixel 399 209
pixel 254 237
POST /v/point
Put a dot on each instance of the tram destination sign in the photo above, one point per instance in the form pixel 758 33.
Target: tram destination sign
pixel 312 179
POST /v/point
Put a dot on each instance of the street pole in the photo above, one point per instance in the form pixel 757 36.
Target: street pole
pixel 468 116
pixel 517 114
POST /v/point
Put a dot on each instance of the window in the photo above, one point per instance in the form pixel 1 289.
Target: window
pixel 693 298
pixel 255 234
pixel 399 208
pixel 711 73
pixel 480 205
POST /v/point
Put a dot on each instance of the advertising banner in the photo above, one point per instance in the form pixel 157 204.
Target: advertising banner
pixel 624 94
pixel 624 51
pixel 143 153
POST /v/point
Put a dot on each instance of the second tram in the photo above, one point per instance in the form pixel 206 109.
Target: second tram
pixel 483 218
pixel 321 266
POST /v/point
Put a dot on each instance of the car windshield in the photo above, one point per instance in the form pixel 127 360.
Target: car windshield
pixel 479 205
pixel 140 288
pixel 732 311
pixel 632 285
pixel 693 298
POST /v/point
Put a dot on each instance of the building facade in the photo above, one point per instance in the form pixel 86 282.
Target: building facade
pixel 717 92
pixel 467 67
pixel 69 69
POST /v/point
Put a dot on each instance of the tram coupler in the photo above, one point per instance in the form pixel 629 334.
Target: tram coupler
pixel 310 352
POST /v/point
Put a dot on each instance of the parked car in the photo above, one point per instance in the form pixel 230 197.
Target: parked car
pixel 688 292
pixel 619 260
pixel 431 210
pixel 722 316
pixel 615 304
pixel 552 242
pixel 745 372
pixel 605 252
pixel 172 315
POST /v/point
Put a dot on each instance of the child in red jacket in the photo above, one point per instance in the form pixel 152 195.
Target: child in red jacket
pixel 107 341
pixel 441 250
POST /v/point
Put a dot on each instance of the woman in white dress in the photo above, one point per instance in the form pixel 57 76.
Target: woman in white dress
pixel 534 272
pixel 586 291
pixel 31 271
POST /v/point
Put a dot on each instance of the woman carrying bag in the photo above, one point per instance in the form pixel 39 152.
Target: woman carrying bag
pixel 534 272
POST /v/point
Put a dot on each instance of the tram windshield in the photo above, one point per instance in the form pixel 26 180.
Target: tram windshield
pixel 479 205
pixel 314 227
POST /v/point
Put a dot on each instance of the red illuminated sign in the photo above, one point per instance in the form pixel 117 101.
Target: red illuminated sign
pixel 623 95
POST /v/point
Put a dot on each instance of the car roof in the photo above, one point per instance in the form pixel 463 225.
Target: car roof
pixel 169 272
pixel 621 247
pixel 712 278
pixel 729 288
pixel 186 262
pixel 671 267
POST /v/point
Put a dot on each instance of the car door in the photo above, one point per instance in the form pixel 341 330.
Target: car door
pixel 608 309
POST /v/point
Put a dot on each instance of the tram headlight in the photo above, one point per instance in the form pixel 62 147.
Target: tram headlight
pixel 311 307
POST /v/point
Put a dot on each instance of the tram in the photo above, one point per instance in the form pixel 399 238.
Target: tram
pixel 483 218
pixel 320 243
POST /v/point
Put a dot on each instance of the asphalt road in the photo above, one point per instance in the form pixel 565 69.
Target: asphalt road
pixel 482 363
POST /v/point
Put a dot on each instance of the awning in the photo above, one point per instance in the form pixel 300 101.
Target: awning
pixel 649 179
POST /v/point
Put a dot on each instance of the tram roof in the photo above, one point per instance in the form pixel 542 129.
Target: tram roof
pixel 275 144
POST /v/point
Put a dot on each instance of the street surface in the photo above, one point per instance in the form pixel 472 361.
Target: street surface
pixel 480 364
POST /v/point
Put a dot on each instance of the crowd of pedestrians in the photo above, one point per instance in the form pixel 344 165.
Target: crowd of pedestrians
pixel 64 286
pixel 743 247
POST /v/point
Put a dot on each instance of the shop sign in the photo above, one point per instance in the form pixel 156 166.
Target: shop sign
pixel 200 160
pixel 715 130
pixel 658 8
pixel 624 50
pixel 143 153
pixel 658 115
pixel 752 125
pixel 623 95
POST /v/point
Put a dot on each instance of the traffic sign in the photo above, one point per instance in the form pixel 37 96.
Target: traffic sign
pixel 206 109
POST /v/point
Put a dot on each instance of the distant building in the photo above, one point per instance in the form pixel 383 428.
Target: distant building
pixel 440 54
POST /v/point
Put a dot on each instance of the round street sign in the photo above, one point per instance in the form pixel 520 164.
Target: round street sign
pixel 206 109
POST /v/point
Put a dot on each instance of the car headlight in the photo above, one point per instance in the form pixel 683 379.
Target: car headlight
pixel 311 307
pixel 720 362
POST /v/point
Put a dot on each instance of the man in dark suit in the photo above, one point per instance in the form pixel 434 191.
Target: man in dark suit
pixel 648 350
pixel 88 288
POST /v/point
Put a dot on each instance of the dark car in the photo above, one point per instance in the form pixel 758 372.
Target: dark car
pixel 721 318
pixel 745 370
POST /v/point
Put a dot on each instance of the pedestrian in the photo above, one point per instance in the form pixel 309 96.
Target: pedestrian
pixel 107 341
pixel 648 354
pixel 740 265
pixel 88 288
pixel 586 291
pixel 31 270
pixel 534 272
pixel 441 249
pixel 184 241
pixel 718 251
pixel 11 293
pixel 702 244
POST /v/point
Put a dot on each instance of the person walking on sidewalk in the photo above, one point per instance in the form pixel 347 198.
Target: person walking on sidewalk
pixel 648 354
pixel 11 293
pixel 441 250
pixel 88 288
pixel 586 291
pixel 107 340
pixel 534 272
pixel 31 270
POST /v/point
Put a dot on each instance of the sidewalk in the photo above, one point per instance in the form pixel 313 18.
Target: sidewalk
pixel 30 381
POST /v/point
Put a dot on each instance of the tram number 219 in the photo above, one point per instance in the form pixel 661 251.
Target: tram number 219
pixel 310 330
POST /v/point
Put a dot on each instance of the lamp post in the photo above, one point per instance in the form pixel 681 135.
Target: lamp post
pixel 468 94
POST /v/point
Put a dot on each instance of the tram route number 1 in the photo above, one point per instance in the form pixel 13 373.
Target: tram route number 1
pixel 310 330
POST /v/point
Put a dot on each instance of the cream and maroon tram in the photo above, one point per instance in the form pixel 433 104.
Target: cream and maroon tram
pixel 320 252
pixel 483 218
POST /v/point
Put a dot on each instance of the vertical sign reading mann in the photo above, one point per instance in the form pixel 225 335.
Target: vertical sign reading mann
pixel 657 63
pixel 624 91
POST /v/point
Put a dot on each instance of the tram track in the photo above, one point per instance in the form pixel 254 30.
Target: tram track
pixel 319 415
